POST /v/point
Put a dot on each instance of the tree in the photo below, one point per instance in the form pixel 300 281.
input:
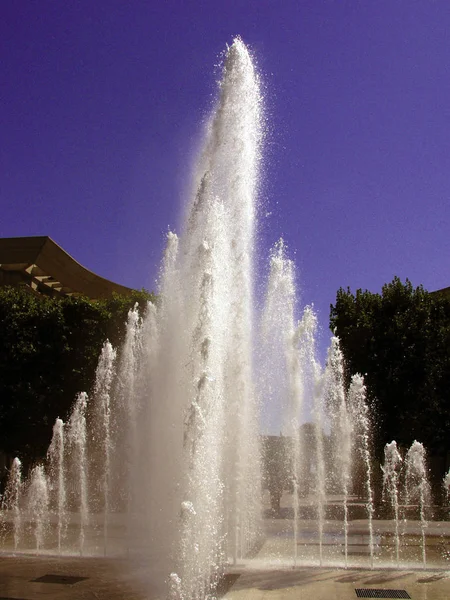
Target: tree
pixel 400 341
pixel 49 348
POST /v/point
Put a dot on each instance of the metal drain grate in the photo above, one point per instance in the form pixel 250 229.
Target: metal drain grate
pixel 62 579
pixel 373 593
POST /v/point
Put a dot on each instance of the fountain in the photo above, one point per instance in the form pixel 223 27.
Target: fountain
pixel 361 419
pixel 76 439
pixel 37 504
pixel 10 501
pixel 162 460
pixel 417 488
pixel 391 475
pixel 446 484
pixel 56 473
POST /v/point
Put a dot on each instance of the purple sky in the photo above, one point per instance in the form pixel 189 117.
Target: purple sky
pixel 102 105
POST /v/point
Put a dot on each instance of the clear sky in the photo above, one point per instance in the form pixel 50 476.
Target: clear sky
pixel 102 105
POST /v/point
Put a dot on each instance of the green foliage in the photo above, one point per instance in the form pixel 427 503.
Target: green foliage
pixel 49 348
pixel 400 341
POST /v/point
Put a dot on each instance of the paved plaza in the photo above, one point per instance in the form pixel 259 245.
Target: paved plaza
pixel 24 578
pixel 98 579
pixel 338 584
pixel 269 574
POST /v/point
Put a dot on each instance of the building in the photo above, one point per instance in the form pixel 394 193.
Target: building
pixel 44 267
pixel 445 292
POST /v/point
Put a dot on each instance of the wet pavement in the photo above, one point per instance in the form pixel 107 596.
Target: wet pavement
pixel 77 578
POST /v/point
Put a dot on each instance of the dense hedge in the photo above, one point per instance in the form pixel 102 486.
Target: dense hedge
pixel 49 348
pixel 400 341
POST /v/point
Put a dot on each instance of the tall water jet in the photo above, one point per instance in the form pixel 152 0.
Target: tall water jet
pixel 57 490
pixel 38 504
pixel 418 488
pixel 213 354
pixel 391 479
pixel 11 498
pixel 202 508
pixel 234 170
pixel 77 440
pixel 361 422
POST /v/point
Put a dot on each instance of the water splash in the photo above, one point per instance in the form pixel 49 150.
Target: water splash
pixel 320 483
pixel 102 393
pixel 362 427
pixel 282 383
pixel 341 429
pixel 215 268
pixel 418 488
pixel 57 486
pixel 11 499
pixel 446 484
pixel 37 504
pixel 302 377
pixel 391 480
pixel 77 442
pixel 124 420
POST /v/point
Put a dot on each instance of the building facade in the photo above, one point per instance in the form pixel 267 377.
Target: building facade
pixel 42 266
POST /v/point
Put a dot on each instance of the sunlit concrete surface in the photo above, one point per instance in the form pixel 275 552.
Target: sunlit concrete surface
pixel 111 579
pixel 336 584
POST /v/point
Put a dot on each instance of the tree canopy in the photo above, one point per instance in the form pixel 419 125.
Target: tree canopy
pixel 49 348
pixel 400 341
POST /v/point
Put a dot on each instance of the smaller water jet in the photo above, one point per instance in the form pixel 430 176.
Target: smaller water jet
pixel 37 504
pixel 362 427
pixel 417 487
pixel 446 484
pixel 391 477
pixel 102 392
pixel 125 417
pixel 11 499
pixel 57 486
pixel 320 483
pixel 341 430
pixel 76 441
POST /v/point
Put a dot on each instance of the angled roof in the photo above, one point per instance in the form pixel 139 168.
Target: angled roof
pixel 45 263
pixel 444 292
